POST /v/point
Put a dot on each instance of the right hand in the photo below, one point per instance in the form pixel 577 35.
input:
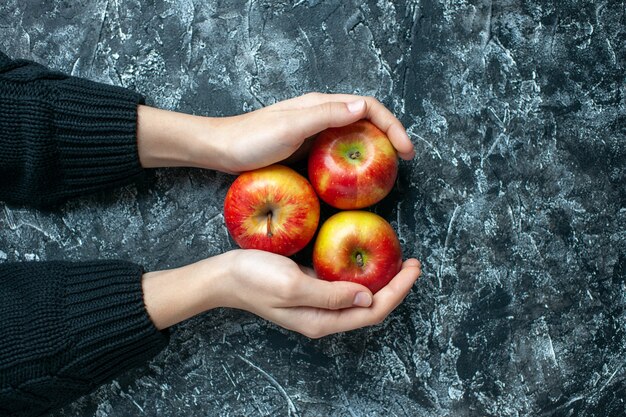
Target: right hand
pixel 273 287
pixel 276 288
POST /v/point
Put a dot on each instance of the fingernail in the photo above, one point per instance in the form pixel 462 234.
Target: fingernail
pixel 356 106
pixel 362 299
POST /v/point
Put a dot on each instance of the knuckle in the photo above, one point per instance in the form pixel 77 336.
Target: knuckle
pixel 314 331
pixel 327 110
pixel 316 328
pixel 378 319
pixel 313 335
pixel 371 100
pixel 314 95
pixel 282 126
pixel 287 290
pixel 333 301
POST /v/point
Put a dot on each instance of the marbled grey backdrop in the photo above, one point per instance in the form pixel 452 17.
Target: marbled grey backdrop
pixel 516 202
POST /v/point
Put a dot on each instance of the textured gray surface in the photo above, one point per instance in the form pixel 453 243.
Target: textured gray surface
pixel 516 203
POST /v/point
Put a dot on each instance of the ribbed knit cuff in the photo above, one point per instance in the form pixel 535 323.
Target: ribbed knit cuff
pixel 96 128
pixel 4 60
pixel 108 321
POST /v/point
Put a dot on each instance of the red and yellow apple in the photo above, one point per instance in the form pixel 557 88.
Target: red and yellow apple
pixel 357 246
pixel 273 209
pixel 354 166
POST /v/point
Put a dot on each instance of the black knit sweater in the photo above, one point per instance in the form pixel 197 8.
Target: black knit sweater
pixel 66 327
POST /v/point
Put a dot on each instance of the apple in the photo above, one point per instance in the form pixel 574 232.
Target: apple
pixel 352 167
pixel 273 209
pixel 357 246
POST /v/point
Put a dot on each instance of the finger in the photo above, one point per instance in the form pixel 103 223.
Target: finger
pixel 399 287
pixel 313 99
pixel 380 116
pixel 337 295
pixel 412 262
pixel 301 102
pixel 310 121
pixel 313 292
pixel 391 126
pixel 385 301
pixel 376 113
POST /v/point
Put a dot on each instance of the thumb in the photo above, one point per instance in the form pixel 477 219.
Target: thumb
pixel 312 120
pixel 333 295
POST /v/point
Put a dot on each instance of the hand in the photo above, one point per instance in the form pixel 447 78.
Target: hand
pixel 275 288
pixel 276 132
pixel 260 138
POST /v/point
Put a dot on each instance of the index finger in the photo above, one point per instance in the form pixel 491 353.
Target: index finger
pixel 375 112
pixel 388 123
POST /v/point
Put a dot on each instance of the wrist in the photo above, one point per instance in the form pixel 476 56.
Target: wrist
pixel 172 139
pixel 211 279
pixel 174 295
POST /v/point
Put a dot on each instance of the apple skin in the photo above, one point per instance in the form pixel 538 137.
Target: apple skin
pixel 353 166
pixel 349 234
pixel 281 191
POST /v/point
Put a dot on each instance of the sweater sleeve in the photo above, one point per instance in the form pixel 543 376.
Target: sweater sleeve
pixel 67 328
pixel 61 136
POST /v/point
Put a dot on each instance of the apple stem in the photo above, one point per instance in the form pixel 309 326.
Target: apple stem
pixel 355 155
pixel 269 224
pixel 359 260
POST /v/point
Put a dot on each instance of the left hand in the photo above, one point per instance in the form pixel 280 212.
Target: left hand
pixel 277 132
pixel 259 138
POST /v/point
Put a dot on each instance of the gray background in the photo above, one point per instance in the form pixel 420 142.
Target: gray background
pixel 516 202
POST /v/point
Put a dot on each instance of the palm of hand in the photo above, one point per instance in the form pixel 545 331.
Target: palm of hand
pixel 277 289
